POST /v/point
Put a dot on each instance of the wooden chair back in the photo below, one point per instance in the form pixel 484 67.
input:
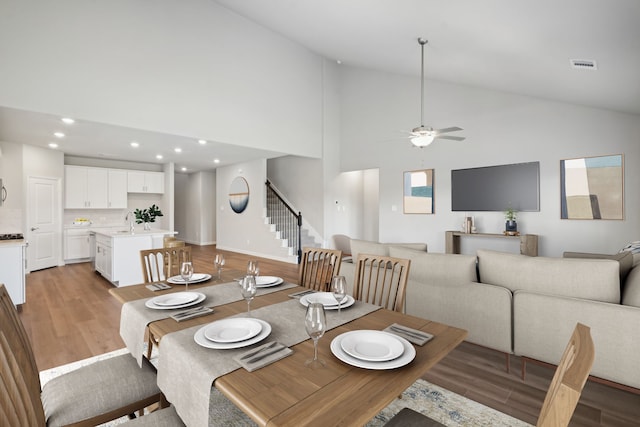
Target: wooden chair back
pixel 317 268
pixel 162 263
pixel 568 381
pixel 381 280
pixel 20 403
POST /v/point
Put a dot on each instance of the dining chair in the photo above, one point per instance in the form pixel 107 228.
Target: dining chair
pixel 91 395
pixel 161 263
pixel 381 280
pixel 564 391
pixel 317 268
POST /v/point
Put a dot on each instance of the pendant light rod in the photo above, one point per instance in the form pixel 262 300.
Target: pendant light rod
pixel 422 43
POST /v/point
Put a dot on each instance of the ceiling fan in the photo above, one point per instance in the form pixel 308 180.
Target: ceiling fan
pixel 424 135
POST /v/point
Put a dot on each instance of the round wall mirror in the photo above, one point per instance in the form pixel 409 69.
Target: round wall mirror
pixel 239 194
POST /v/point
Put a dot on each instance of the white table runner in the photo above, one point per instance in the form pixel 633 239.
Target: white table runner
pixel 135 316
pixel 186 370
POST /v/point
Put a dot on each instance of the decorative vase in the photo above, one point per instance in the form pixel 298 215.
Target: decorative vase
pixel 511 226
pixel 147 226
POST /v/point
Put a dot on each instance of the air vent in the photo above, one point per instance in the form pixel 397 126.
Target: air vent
pixel 584 64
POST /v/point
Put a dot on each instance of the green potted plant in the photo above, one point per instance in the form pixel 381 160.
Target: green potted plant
pixel 147 216
pixel 511 226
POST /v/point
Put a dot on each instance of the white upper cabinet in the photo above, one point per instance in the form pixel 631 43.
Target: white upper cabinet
pixel 85 188
pixel 95 188
pixel 117 189
pixel 145 182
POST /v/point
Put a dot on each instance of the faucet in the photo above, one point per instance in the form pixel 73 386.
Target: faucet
pixel 130 217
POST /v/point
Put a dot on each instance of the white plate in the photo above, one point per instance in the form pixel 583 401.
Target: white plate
pixel 196 278
pixel 233 330
pixel 374 346
pixel 177 298
pixel 327 299
pixel 407 356
pixel 202 340
pixel 268 281
pixel 151 304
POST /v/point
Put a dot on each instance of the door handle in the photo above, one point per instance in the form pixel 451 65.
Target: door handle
pixel 35 228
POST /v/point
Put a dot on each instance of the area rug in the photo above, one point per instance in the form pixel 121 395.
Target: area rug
pixel 439 404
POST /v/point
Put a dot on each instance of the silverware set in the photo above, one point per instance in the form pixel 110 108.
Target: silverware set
pixel 411 332
pixel 263 352
pixel 194 312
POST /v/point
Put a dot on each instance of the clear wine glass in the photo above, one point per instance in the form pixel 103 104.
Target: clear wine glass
pixel 186 271
pixel 252 268
pixel 315 323
pixel 339 289
pixel 249 290
pixel 219 263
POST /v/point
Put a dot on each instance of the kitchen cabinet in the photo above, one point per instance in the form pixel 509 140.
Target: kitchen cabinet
pixel 95 188
pixel 117 189
pixel 145 182
pixel 104 256
pixel 76 245
pixel 12 269
pixel 85 188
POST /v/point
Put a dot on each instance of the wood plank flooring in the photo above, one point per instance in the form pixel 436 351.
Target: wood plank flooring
pixel 70 315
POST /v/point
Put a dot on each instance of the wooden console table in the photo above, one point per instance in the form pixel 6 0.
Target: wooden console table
pixel 528 242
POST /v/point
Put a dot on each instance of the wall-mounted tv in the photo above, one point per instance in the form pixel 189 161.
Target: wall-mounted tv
pixel 496 188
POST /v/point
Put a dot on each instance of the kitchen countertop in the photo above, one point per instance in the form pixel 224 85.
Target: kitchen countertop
pixel 124 232
pixel 15 242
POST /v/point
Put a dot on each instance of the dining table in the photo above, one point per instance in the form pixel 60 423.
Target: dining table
pixel 285 392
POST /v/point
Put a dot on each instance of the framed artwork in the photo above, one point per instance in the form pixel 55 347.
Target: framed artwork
pixel 239 194
pixel 418 192
pixel 592 187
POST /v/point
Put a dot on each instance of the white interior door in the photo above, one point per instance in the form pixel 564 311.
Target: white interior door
pixel 44 223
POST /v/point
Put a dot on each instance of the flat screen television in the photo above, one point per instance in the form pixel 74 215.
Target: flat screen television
pixel 496 188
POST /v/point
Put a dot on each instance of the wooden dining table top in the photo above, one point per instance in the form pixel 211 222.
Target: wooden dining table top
pixel 287 393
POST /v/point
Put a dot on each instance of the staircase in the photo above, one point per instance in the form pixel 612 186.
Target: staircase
pixel 286 223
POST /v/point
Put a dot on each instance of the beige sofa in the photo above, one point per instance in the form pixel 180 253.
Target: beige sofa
pixel 527 306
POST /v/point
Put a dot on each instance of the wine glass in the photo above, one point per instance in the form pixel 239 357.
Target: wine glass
pixel 186 271
pixel 219 263
pixel 315 323
pixel 339 289
pixel 249 290
pixel 252 268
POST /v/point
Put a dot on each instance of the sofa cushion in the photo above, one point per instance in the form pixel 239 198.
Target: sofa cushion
pixel 625 260
pixel 594 279
pixel 437 268
pixel 631 289
pixel 375 248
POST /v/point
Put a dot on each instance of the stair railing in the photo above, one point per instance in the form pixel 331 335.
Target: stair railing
pixel 286 220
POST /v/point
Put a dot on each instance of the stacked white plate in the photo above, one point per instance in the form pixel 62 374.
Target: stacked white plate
pixel 195 278
pixel 175 300
pixel 236 332
pixel 372 349
pixel 327 299
pixel 268 281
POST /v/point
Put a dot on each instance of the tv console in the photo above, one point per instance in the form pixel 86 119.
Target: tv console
pixel 528 242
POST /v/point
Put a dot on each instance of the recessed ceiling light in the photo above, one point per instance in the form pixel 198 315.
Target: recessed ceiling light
pixel 178 150
pixel 68 120
pixel 159 156
pixel 53 145
pixel 202 141
pixel 216 160
pixel 184 169
pixel 134 144
pixel 58 135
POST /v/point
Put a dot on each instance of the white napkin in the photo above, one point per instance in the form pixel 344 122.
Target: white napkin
pixel 263 355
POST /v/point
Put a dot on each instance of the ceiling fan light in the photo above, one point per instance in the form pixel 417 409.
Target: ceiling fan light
pixel 422 140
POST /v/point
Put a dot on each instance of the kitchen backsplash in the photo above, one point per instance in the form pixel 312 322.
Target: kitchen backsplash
pixel 107 217
pixel 10 221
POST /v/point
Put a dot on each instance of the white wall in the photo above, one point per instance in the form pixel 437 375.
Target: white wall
pixel 500 128
pixel 245 232
pixel 184 68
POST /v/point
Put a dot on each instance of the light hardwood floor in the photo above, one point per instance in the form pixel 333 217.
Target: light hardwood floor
pixel 70 315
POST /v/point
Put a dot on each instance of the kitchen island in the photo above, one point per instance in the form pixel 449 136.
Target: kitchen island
pixel 117 252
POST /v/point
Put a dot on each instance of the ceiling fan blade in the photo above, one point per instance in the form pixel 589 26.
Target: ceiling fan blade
pixel 454 138
pixel 451 129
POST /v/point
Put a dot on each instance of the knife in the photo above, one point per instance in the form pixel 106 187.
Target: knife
pixel 190 312
pixel 268 353
pixel 409 332
pixel 260 350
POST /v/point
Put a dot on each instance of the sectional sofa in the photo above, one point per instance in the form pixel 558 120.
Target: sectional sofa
pixel 527 306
